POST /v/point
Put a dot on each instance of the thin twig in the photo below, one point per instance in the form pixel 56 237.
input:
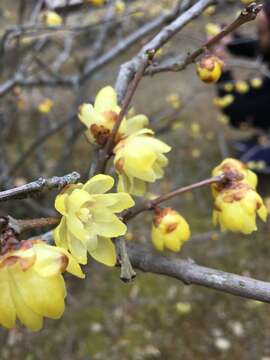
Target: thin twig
pixel 150 205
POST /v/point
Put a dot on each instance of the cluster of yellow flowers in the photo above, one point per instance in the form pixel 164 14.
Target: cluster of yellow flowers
pixel 31 281
pixel 139 156
pixel 236 201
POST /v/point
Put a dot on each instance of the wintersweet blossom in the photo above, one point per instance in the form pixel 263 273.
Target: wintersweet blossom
pixel 31 283
pixel 139 159
pixel 169 230
pixel 100 118
pixel 51 18
pixel 235 209
pixel 89 219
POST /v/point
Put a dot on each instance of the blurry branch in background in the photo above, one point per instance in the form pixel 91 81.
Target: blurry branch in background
pixel 255 65
pixel 92 63
pixel 180 63
pixel 128 69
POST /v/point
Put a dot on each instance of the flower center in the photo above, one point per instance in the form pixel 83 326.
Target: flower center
pixel 84 215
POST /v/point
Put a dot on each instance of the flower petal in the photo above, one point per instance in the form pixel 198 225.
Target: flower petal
pixel 60 234
pixel 135 124
pixel 7 308
pixel 77 249
pixel 123 201
pixel 105 252
pixel 109 225
pixel 99 184
pixel 44 295
pixel 26 315
pixel 106 99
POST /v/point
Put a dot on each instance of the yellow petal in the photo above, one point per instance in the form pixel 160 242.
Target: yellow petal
pixel 77 199
pixel 99 184
pixel 44 295
pixel 136 123
pixel 60 234
pixel 26 315
pixel 76 227
pixel 105 252
pixel 109 226
pixel 7 308
pixel 49 260
pixel 77 249
pixel 60 203
pixel 123 201
pixel 106 99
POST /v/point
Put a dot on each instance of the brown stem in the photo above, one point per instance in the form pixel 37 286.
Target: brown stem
pixel 105 153
pixel 36 223
pixel 150 205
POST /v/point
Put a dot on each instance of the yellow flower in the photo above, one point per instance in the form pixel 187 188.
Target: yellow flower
pixel 139 158
pixel 89 219
pixel 100 118
pixel 237 171
pixel 169 230
pixel 235 209
pixel 195 129
pixel 242 87
pixel 45 106
pixel 51 18
pixel 97 2
pixel 209 68
pixel 256 83
pixel 210 10
pixel 32 285
pixel 212 29
pixel 120 6
pixel 228 87
pixel 174 101
pixel 224 101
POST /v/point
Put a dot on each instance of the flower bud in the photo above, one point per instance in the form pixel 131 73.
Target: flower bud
pixel 256 83
pixel 169 230
pixel 237 172
pixel 209 69
pixel 51 18
pixel 241 87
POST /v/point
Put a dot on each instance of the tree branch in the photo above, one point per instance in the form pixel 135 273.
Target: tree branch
pixel 189 273
pixel 128 69
pixel 150 205
pixel 38 186
pixel 180 63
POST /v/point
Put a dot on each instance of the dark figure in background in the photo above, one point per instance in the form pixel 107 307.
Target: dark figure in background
pixel 251 98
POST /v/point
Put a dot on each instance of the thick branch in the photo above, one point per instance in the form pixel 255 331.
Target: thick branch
pixel 190 273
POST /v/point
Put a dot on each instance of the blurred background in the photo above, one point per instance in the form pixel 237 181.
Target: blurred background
pixel 45 74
